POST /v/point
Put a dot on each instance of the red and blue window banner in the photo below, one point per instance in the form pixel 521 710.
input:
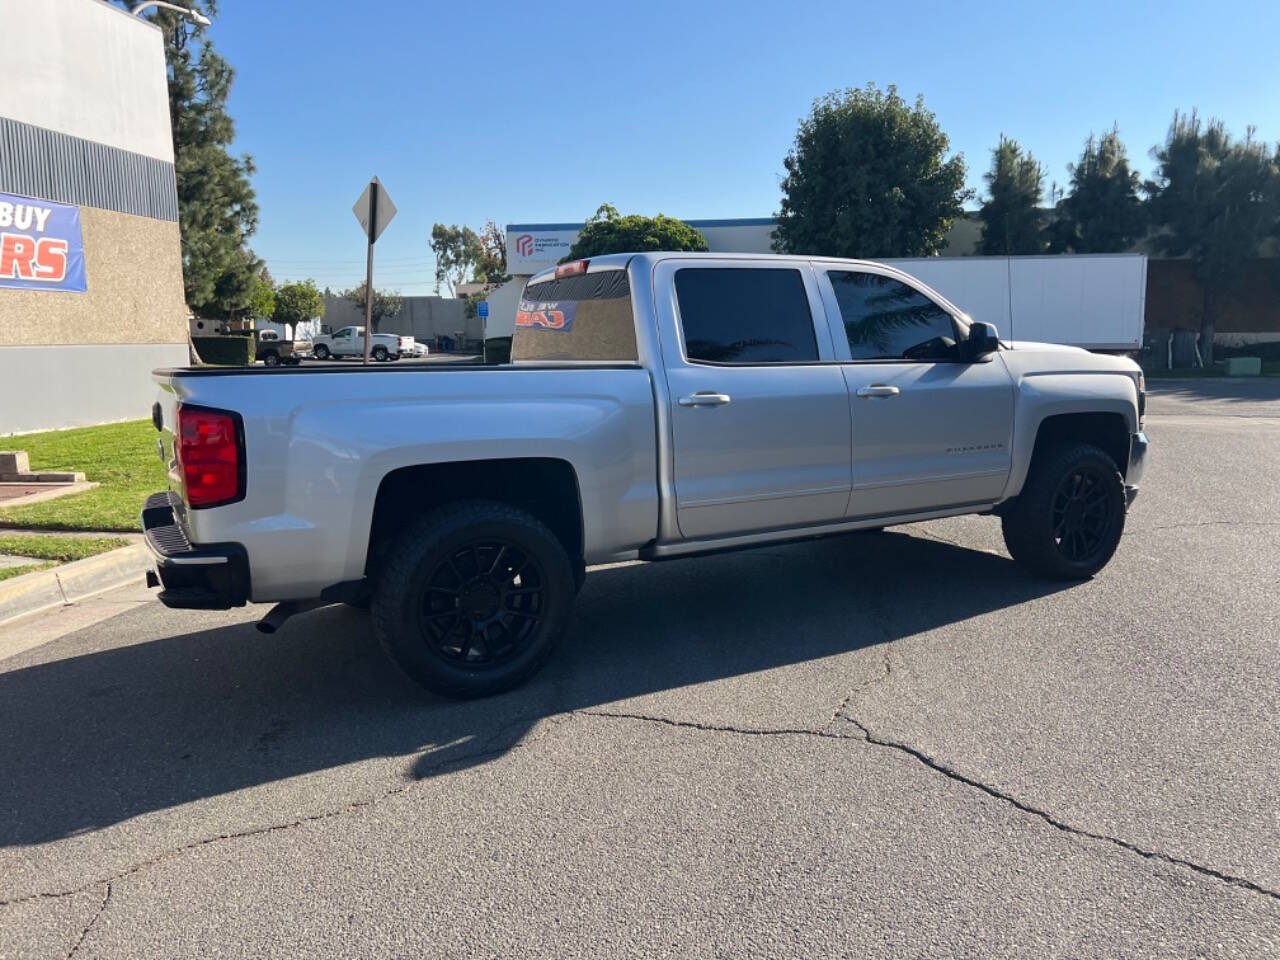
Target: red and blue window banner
pixel 41 246
pixel 547 314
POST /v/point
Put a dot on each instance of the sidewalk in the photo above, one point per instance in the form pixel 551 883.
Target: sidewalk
pixel 70 583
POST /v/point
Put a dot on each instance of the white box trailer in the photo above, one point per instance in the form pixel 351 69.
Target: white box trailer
pixel 1096 301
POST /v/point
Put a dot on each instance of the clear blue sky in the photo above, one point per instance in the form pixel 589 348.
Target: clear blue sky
pixel 540 111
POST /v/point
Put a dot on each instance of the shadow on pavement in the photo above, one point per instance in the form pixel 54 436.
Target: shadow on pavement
pixel 92 740
pixel 1228 389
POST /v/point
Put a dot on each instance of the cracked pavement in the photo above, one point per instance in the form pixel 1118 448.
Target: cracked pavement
pixel 869 746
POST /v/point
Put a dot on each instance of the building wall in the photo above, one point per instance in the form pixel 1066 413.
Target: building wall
pixel 84 121
pixel 423 318
pixel 1175 300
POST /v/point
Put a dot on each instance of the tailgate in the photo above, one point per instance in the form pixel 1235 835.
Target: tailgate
pixel 164 415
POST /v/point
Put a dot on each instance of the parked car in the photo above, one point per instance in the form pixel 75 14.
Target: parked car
pixel 349 342
pixel 418 349
pixel 274 352
pixel 657 406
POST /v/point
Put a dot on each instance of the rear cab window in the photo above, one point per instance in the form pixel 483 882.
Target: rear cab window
pixel 751 315
pixel 586 316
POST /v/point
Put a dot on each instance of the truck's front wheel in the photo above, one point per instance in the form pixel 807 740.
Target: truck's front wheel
pixel 472 598
pixel 1067 522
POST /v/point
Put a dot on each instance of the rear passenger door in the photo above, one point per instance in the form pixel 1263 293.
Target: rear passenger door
pixel 759 410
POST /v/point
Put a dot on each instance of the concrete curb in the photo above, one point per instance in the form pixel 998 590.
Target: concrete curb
pixel 71 582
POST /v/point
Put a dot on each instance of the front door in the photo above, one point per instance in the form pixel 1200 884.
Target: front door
pixel 759 408
pixel 930 430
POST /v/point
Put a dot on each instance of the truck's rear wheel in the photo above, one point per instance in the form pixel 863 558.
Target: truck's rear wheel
pixel 271 360
pixel 472 598
pixel 321 352
pixel 380 353
pixel 1067 522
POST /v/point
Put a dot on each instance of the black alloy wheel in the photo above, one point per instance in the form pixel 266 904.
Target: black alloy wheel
pixel 471 598
pixel 1067 521
pixel 482 604
pixel 1081 514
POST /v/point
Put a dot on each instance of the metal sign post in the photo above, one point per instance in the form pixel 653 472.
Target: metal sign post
pixel 374 210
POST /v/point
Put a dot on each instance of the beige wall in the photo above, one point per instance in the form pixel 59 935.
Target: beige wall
pixel 133 266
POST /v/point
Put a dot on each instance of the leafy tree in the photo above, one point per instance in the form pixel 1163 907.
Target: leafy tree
pixel 386 305
pixel 1103 213
pixel 1011 219
pixel 609 232
pixel 262 302
pixel 217 211
pixel 457 251
pixel 1214 200
pixel 299 302
pixel 869 176
pixel 491 265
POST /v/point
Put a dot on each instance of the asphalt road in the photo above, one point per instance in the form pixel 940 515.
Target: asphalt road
pixel 895 746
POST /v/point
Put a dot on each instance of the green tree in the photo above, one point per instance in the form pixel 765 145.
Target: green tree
pixel 297 303
pixel 869 176
pixel 457 251
pixel 386 304
pixel 262 302
pixel 1104 212
pixel 1012 222
pixel 491 266
pixel 609 232
pixel 217 211
pixel 1214 200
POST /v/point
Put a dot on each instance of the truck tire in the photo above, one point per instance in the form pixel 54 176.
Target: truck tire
pixel 271 360
pixel 1067 522
pixel 472 598
pixel 321 352
pixel 380 353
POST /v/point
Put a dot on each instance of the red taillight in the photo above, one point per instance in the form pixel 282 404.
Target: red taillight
pixel 209 456
pixel 572 268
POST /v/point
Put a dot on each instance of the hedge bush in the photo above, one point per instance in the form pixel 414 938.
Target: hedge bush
pixel 232 351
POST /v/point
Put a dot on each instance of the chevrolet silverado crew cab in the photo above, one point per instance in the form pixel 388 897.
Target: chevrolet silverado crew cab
pixel 656 406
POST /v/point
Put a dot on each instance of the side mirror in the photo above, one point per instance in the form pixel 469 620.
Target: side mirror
pixel 983 340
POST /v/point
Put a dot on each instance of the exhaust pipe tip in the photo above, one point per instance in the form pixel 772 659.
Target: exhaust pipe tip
pixel 281 612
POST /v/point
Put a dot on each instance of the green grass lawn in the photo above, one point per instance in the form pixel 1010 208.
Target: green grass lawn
pixel 119 456
pixel 7 573
pixel 53 547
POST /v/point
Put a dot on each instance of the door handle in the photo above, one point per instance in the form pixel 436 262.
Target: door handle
pixel 878 390
pixel 705 398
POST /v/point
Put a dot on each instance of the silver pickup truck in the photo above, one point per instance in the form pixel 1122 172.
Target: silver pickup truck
pixel 657 406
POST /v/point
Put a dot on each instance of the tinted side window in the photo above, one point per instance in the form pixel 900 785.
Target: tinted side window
pixel 745 316
pixel 885 319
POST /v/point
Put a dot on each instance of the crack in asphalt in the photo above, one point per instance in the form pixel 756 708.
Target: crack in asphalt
pixel 951 774
pixel 489 750
pixel 1205 523
pixel 106 898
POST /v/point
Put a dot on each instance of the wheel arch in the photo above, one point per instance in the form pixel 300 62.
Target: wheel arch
pixel 545 487
pixel 1108 430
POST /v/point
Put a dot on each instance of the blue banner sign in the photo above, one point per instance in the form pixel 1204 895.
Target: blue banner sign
pixel 41 247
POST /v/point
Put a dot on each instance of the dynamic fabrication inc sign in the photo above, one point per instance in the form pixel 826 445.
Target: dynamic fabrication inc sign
pixel 41 247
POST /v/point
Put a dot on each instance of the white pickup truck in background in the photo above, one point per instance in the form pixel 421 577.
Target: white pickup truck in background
pixel 349 342
pixel 657 406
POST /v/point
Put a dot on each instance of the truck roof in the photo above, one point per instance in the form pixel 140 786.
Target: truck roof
pixel 619 261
